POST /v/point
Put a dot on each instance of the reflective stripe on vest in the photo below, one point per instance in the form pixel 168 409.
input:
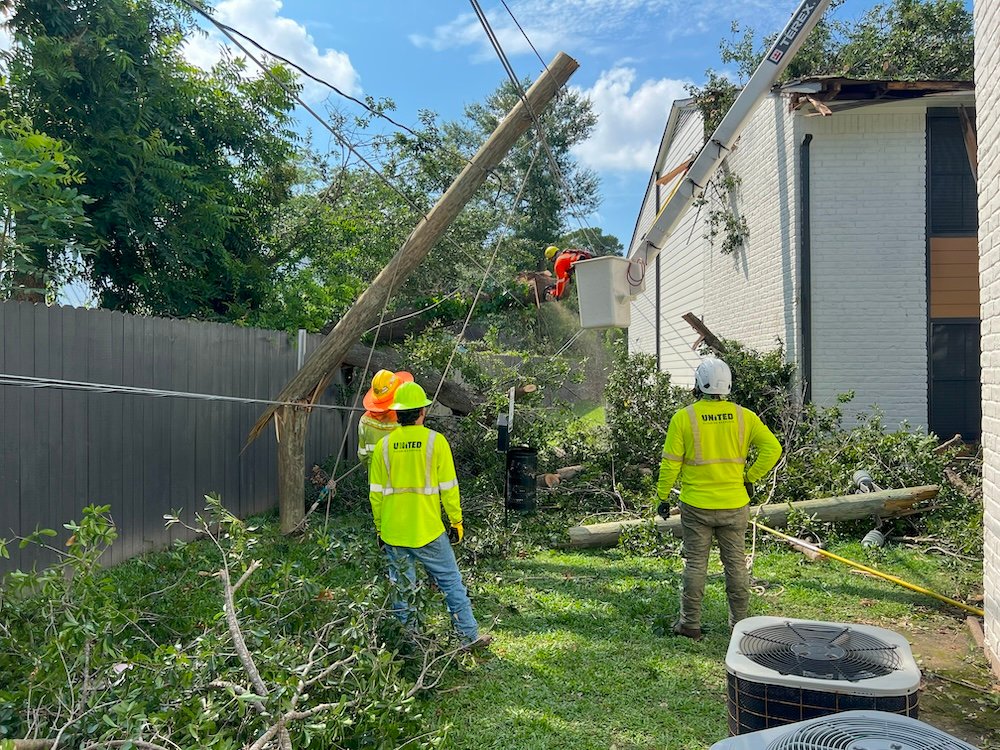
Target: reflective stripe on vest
pixel 428 488
pixel 698 459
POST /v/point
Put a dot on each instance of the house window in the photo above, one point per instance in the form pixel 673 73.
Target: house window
pixel 952 202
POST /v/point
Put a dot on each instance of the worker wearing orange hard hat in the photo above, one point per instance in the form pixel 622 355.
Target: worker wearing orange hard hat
pixel 563 262
pixel 379 419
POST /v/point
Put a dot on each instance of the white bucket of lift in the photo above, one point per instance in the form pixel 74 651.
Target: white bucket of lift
pixel 602 285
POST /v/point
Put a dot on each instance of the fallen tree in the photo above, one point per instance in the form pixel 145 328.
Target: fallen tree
pixel 884 504
pixel 457 397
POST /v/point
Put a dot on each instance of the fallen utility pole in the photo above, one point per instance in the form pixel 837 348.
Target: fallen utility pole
pixel 305 387
pixel 884 503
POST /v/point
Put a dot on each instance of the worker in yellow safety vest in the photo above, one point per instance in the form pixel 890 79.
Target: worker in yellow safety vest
pixel 707 445
pixel 379 419
pixel 411 475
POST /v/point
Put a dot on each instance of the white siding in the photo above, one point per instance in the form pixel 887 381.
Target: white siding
pixel 681 263
pixel 988 113
pixel 750 296
pixel 869 298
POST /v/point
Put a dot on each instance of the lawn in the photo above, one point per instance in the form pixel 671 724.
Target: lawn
pixel 580 661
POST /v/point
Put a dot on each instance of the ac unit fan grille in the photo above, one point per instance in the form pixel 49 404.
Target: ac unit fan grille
pixel 856 733
pixel 820 651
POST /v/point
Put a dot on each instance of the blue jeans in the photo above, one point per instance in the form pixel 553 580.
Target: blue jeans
pixel 439 561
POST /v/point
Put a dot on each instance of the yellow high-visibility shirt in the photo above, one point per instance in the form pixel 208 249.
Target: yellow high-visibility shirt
pixel 707 445
pixel 370 431
pixel 411 475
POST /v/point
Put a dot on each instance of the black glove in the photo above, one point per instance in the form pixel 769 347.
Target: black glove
pixel 663 510
pixel 381 544
pixel 748 486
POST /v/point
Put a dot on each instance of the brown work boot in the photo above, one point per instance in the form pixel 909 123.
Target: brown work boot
pixel 480 644
pixel 688 632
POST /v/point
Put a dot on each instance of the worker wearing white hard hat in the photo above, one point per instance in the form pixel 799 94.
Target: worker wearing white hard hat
pixel 706 447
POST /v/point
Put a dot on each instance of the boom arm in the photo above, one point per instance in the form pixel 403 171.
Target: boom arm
pixel 714 152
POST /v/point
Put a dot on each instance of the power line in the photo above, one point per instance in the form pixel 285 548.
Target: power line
pixel 27 381
pixel 524 34
pixel 340 138
pixel 519 90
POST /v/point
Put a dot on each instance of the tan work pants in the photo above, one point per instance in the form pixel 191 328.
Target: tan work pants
pixel 729 527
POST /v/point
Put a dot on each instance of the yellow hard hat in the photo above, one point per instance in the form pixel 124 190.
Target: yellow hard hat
pixel 410 396
pixel 383 389
pixel 550 252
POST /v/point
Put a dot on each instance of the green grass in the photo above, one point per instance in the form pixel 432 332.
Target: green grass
pixel 589 413
pixel 580 661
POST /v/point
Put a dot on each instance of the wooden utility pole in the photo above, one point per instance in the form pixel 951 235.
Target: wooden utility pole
pixel 314 376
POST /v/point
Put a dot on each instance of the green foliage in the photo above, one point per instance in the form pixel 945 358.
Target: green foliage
pixel 187 168
pixel 143 651
pixel 41 209
pixel 724 217
pixel 640 402
pixel 592 239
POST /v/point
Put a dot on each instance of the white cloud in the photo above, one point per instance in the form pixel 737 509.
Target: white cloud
pixel 565 24
pixel 630 120
pixel 262 20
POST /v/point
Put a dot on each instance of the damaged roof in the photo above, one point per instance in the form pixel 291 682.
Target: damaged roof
pixel 827 94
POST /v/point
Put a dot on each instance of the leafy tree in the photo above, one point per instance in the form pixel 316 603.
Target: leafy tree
pixel 186 167
pixel 334 242
pixel 41 209
pixel 592 239
pixel 899 39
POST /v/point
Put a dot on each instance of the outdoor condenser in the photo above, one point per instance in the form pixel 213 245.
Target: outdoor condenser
pixel 781 671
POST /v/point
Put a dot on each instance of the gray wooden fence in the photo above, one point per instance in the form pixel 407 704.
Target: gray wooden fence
pixel 145 456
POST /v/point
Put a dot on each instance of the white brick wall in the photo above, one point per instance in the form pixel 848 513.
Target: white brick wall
pixel 868 249
pixel 988 114
pixel 681 273
pixel 750 296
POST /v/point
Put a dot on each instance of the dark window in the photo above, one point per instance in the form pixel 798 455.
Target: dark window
pixel 952 188
pixel 955 389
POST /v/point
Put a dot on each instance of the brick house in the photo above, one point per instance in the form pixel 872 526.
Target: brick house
pixel 988 126
pixel 860 203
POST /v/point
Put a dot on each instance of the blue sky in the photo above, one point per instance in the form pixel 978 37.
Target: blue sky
pixel 635 57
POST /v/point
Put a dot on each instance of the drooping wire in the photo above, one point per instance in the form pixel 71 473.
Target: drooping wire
pixel 519 90
pixel 339 137
pixel 496 248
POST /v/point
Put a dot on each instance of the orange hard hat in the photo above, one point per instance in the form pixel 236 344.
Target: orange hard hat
pixel 383 391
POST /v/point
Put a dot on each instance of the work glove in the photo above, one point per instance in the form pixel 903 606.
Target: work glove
pixel 456 533
pixel 663 510
pixel 381 544
pixel 748 486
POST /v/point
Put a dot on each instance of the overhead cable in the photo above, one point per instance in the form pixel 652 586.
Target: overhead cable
pixel 339 137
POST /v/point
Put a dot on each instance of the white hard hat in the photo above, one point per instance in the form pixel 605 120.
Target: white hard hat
pixel 714 377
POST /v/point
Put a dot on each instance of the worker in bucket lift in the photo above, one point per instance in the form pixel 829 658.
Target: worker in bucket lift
pixel 379 419
pixel 563 262
pixel 706 446
pixel 411 475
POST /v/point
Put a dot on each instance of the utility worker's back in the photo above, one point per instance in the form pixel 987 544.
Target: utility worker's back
pixel 711 440
pixel 412 474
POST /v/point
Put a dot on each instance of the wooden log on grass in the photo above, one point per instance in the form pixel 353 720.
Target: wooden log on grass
pixel 884 504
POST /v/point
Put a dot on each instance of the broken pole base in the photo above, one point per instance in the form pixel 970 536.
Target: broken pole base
pixel 292 424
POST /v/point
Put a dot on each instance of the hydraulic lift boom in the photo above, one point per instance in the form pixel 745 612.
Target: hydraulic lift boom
pixel 723 139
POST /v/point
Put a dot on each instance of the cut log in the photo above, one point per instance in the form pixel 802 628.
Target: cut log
pixel 568 472
pixel 884 503
pixel 553 479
